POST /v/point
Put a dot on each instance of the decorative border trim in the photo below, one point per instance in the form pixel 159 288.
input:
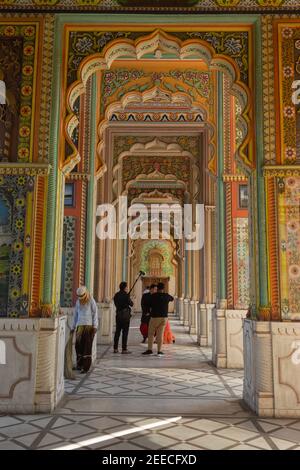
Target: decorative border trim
pixel 230 178
pixel 32 169
pixel 112 6
pixel 74 176
pixel 273 248
pixel 283 171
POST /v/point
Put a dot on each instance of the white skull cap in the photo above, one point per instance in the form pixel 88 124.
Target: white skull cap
pixel 81 291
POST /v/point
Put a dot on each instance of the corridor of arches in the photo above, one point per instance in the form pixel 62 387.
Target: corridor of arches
pixel 135 115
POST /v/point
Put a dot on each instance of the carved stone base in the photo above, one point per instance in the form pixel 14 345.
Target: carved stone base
pixel 31 364
pixel 186 306
pixel 204 324
pixel 176 307
pixel 227 338
pixel 272 368
pixel 107 315
pixel 193 314
pixel 180 309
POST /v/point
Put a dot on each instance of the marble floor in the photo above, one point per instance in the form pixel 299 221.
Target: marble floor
pixel 179 402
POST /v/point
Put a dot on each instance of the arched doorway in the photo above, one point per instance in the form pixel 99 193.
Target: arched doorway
pixel 152 107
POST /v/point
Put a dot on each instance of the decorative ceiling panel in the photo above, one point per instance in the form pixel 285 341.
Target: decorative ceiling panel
pixel 152 5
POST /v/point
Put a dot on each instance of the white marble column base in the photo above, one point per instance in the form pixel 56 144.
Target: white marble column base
pixel 186 306
pixel 181 309
pixel 31 364
pixel 204 324
pixel 272 368
pixel 193 317
pixel 107 314
pixel 227 338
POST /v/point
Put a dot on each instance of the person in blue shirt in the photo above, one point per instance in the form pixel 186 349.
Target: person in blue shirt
pixel 85 321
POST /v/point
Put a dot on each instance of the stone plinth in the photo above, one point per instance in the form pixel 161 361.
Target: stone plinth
pixel 272 368
pixel 180 309
pixel 31 364
pixel 204 325
pixel 186 306
pixel 227 338
pixel 176 307
pixel 107 314
pixel 193 317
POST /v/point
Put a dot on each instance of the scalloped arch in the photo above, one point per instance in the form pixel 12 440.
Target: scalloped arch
pixel 158 44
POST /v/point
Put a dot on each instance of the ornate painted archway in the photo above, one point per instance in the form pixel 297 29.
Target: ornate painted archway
pixel 158 46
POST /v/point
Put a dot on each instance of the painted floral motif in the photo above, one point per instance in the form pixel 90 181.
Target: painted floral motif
pixel 68 261
pixel 174 81
pixel 241 247
pixel 289 235
pixel 233 44
pixel 287 33
pixel 288 71
pixel 199 4
pixel 17 60
pixel 15 189
pixel 289 38
pixel 290 154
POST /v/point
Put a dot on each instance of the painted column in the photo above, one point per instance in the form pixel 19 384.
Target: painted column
pixel 50 295
pixel 221 259
pixel 259 195
pixel 90 225
pixel 218 330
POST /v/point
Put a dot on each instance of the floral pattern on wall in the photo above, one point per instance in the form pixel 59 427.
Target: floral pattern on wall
pixel 241 265
pixel 18 54
pixel 235 44
pixel 15 189
pixel 289 239
pixel 114 81
pixel 67 277
pixel 289 70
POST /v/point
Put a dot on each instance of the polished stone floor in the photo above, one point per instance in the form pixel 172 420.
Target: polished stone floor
pixel 180 401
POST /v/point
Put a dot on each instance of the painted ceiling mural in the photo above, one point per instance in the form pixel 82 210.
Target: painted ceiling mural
pixel 148 5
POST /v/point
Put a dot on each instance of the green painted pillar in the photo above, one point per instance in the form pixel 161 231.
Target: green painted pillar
pixel 52 217
pixel 221 255
pixel 260 216
pixel 91 186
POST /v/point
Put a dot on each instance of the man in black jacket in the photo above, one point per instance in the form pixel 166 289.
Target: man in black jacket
pixel 159 303
pixel 145 304
pixel 123 303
